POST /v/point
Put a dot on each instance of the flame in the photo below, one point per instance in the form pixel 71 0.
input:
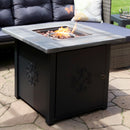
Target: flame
pixel 75 25
pixel 74 28
pixel 62 33
pixel 69 10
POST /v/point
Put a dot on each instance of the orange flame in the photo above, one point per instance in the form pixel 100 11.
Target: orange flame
pixel 69 10
pixel 62 33
pixel 74 28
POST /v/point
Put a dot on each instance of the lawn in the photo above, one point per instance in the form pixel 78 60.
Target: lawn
pixel 117 4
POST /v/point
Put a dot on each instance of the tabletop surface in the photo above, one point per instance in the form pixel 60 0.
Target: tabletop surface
pixel 117 16
pixel 48 45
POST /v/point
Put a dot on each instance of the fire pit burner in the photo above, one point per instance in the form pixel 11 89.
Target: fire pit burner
pixel 64 32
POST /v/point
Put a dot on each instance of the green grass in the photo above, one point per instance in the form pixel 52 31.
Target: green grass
pixel 117 4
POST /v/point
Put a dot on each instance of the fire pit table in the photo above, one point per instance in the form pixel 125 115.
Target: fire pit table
pixel 61 78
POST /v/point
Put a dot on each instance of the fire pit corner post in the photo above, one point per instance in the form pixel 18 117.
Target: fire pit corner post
pixel 16 69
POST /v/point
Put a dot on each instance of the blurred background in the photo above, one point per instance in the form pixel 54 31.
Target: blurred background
pixel 118 4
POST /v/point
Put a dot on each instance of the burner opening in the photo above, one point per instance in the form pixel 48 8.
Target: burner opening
pixel 64 32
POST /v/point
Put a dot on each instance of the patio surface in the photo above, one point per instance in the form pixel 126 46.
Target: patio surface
pixel 17 115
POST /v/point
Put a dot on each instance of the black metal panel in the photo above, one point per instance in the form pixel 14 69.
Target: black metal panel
pixel 81 81
pixel 34 78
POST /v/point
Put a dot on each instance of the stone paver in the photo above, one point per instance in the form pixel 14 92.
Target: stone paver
pixel 78 119
pixel 17 115
pixel 3 71
pixel 71 124
pixel 120 74
pixel 121 92
pixel 122 84
pixel 41 123
pixel 99 119
pixel 6 100
pixel 8 75
pixel 110 97
pixel 123 101
pixel 120 127
pixel 3 109
pixel 22 127
pixel 111 78
pixel 126 115
pixel 110 104
pixel 2 81
pixel 1 105
pixel 7 88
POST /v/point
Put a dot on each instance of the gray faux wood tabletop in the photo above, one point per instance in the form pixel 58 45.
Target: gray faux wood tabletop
pixel 48 45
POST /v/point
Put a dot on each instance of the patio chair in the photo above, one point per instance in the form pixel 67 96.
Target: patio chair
pixel 120 53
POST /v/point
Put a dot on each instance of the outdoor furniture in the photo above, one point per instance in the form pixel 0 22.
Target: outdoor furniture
pixel 15 12
pixel 121 21
pixel 62 78
pixel 120 53
pixel 42 63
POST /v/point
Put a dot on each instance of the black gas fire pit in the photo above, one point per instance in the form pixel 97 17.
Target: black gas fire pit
pixel 62 77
